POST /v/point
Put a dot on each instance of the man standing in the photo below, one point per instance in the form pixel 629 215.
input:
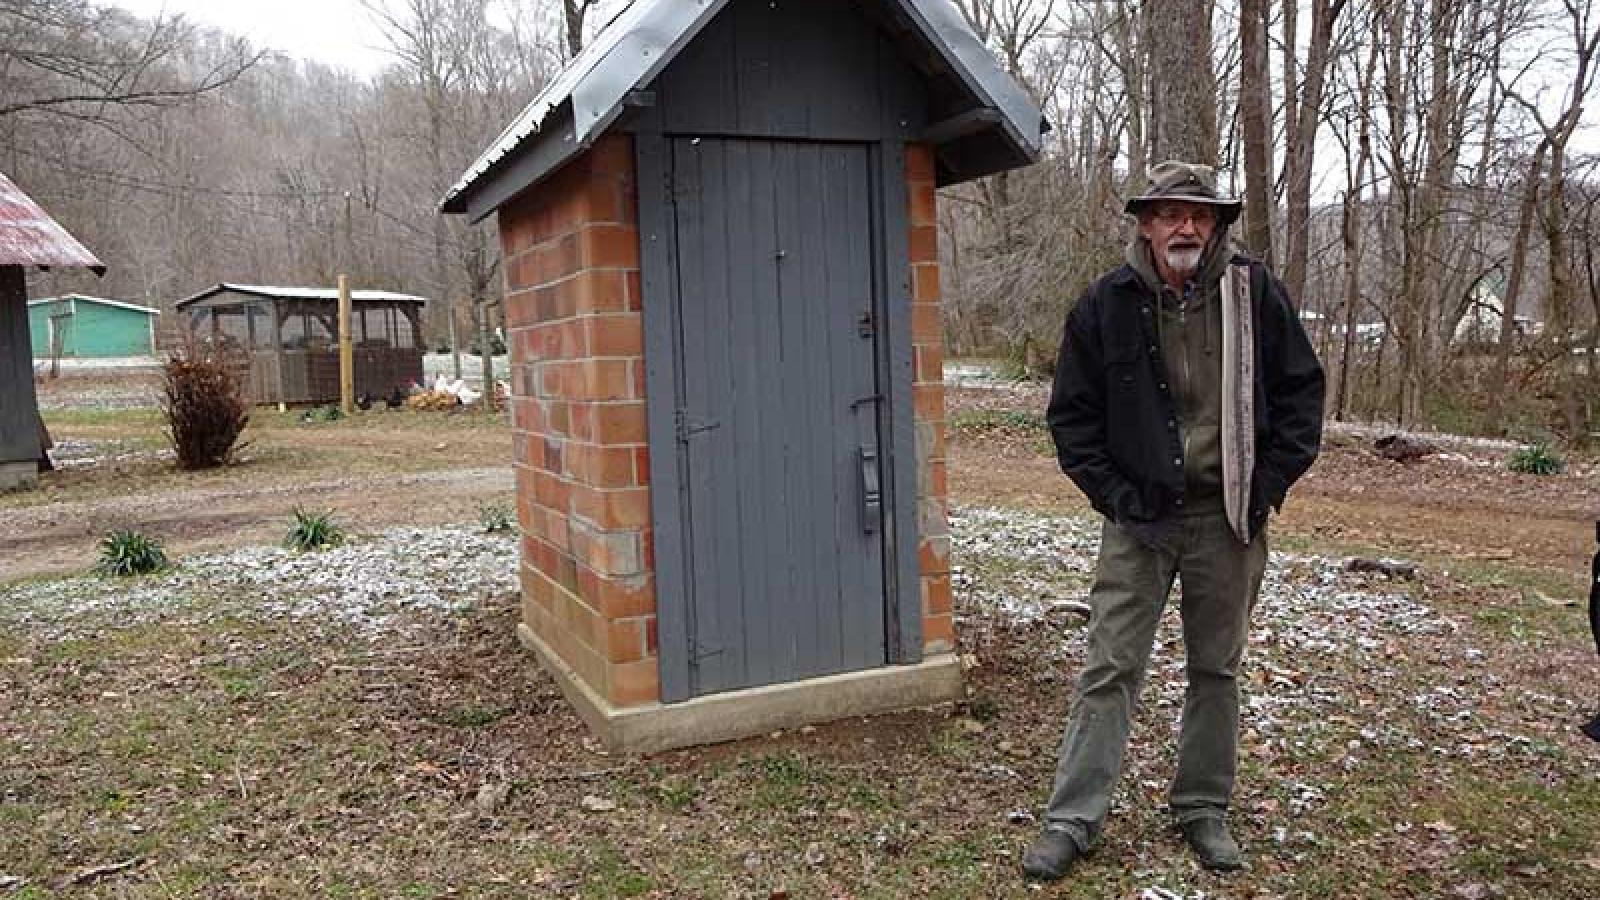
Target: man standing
pixel 1187 400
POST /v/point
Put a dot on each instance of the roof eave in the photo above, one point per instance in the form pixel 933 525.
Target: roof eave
pixel 541 141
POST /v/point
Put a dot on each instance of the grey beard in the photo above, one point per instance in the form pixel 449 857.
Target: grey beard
pixel 1184 262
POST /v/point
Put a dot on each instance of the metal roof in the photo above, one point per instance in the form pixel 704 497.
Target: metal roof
pixel 588 95
pixel 297 293
pixel 29 237
pixel 85 298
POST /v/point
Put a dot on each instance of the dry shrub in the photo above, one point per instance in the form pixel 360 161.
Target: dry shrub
pixel 205 410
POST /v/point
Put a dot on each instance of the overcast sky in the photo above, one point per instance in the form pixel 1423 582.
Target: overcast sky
pixel 335 32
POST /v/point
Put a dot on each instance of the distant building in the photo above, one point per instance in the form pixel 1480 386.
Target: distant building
pixel 1481 323
pixel 290 338
pixel 77 326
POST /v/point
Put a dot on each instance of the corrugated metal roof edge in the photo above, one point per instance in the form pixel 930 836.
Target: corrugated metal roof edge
pixel 273 291
pixel 61 249
pixel 108 302
pixel 529 124
pixel 941 24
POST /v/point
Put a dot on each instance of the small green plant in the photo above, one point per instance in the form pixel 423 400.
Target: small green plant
pixel 329 413
pixel 128 552
pixel 496 517
pixel 1536 459
pixel 472 716
pixel 313 531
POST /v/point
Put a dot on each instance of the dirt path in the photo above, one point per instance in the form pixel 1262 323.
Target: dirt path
pixel 1460 505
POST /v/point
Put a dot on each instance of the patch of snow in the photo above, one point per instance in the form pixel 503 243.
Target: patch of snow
pixel 369 584
pixel 73 453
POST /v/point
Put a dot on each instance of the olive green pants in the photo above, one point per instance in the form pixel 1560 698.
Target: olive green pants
pixel 1221 578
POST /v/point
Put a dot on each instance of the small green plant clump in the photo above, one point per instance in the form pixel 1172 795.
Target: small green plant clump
pixel 1536 459
pixel 329 413
pixel 313 531
pixel 127 552
pixel 497 517
pixel 205 410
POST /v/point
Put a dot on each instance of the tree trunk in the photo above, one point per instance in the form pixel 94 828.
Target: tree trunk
pixel 1350 227
pixel 1183 93
pixel 1255 122
pixel 1513 296
pixel 1301 139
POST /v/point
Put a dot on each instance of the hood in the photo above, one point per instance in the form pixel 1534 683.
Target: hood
pixel 1213 263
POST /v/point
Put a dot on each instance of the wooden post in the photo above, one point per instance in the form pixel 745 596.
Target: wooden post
pixel 486 350
pixel 455 345
pixel 347 355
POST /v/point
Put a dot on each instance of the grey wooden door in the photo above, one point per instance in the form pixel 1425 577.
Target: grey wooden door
pixel 777 411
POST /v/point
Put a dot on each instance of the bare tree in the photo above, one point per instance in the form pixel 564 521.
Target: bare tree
pixel 1302 120
pixel 1255 124
pixel 573 13
pixel 1583 31
pixel 72 59
pixel 1183 86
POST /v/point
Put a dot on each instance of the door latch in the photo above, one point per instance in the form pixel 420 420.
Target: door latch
pixel 871 492
pixel 688 427
pixel 865 325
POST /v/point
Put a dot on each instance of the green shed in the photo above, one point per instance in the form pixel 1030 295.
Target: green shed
pixel 81 327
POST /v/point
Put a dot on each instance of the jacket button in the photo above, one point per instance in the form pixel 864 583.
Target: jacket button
pixel 1172 423
pixel 1177 460
pixel 1163 385
pixel 1152 349
pixel 1179 501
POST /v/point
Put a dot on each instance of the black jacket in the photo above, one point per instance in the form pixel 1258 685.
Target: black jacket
pixel 1115 421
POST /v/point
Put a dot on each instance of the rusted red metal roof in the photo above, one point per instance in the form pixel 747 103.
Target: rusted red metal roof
pixel 29 237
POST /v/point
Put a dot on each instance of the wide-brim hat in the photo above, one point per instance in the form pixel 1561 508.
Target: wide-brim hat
pixel 1188 183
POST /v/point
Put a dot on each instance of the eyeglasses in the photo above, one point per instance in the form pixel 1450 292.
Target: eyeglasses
pixel 1173 216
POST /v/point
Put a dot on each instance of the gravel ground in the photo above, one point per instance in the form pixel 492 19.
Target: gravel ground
pixel 372 583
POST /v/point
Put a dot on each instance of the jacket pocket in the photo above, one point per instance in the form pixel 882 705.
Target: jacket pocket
pixel 1122 366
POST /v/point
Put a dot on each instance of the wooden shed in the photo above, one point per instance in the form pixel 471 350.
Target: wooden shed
pixel 723 292
pixel 290 337
pixel 78 326
pixel 28 237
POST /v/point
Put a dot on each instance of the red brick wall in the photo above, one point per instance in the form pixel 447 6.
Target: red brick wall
pixel 578 421
pixel 927 339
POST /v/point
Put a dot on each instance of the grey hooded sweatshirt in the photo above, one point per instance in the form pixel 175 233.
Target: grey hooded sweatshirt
pixel 1190 331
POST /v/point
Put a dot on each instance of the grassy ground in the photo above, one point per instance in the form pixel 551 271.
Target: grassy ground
pixel 278 446
pixel 1404 738
pixel 243 757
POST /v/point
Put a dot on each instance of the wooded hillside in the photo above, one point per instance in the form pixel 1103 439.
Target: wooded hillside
pixel 1419 173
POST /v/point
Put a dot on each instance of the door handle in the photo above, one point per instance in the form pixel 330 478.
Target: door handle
pixel 871 492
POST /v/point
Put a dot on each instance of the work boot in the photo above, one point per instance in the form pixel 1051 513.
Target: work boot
pixel 1592 728
pixel 1212 844
pixel 1052 854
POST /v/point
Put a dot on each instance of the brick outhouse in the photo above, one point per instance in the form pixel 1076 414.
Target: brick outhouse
pixel 722 289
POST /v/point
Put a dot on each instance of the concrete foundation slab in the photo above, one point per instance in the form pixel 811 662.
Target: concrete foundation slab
pixel 19 476
pixel 745 713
